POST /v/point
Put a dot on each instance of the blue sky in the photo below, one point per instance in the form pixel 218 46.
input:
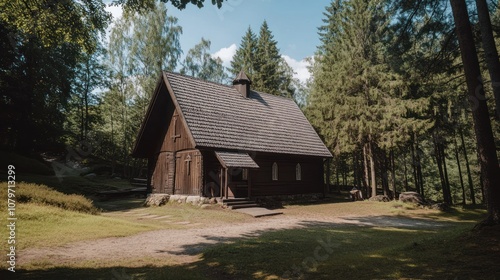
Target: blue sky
pixel 294 24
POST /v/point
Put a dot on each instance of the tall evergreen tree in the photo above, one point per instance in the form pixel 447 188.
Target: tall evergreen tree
pixel 260 58
pixel 357 99
pixel 244 58
pixel 268 75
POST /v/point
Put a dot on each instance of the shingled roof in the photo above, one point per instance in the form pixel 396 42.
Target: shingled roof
pixel 219 117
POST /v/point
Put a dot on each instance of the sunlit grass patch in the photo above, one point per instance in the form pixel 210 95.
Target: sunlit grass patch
pixel 43 195
pixel 46 226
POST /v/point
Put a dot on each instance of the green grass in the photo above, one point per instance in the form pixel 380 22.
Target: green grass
pixel 76 184
pixel 356 252
pixel 45 226
pixel 336 207
pixel 46 218
pixel 41 194
pixel 353 253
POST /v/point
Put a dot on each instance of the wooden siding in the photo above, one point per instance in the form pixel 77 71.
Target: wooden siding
pixel 162 179
pixel 188 172
pixel 162 166
pixel 311 179
pixel 176 137
pixel 260 180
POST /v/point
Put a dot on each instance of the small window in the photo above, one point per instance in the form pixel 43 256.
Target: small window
pixel 244 175
pixel 275 171
pixel 298 172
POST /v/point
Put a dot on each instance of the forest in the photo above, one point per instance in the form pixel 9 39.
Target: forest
pixel 404 93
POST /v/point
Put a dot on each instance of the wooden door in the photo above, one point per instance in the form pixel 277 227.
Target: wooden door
pixel 188 172
pixel 163 174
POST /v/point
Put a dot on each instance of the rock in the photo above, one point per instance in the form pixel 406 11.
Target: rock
pixel 204 200
pixel 90 175
pixel 213 200
pixel 193 199
pixel 182 198
pixel 440 206
pixel 156 199
pixel 205 206
pixel 412 197
pixel 379 198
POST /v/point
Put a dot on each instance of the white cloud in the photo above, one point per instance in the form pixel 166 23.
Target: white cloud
pixel 299 67
pixel 226 54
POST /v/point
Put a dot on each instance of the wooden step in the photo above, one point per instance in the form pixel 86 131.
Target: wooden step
pixel 247 205
pixel 224 200
pixel 229 203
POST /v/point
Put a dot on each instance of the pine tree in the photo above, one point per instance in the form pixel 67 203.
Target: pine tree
pixel 356 100
pixel 268 74
pixel 260 59
pixel 244 58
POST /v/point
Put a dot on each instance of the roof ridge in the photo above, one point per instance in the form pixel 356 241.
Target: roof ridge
pixel 228 86
pixel 196 78
pixel 274 95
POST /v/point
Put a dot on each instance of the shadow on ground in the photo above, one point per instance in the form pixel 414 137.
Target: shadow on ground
pixel 378 247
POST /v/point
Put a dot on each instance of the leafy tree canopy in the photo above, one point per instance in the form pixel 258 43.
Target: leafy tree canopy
pixel 145 5
pixel 58 22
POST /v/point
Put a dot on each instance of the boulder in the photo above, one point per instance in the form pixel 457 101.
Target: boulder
pixel 412 197
pixel 156 199
pixel 193 199
pixel 440 206
pixel 379 198
pixel 213 200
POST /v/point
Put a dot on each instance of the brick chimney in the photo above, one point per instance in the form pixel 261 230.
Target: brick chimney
pixel 242 84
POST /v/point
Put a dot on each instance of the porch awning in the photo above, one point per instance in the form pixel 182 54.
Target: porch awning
pixel 232 159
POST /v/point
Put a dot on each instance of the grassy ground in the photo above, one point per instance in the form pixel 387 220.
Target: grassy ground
pixel 317 251
pixel 354 252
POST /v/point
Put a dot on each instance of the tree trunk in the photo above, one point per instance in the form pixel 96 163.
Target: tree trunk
pixel 482 125
pixel 366 172
pixel 420 177
pixel 372 170
pixel 406 173
pixel 459 171
pixel 469 175
pixel 86 99
pixel 490 50
pixel 414 165
pixel 439 162
pixel 337 174
pixel 385 176
pixel 445 171
pixel 393 174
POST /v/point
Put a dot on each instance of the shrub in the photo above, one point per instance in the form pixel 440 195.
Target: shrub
pixel 41 194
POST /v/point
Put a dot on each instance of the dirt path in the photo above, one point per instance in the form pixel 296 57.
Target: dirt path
pixel 185 244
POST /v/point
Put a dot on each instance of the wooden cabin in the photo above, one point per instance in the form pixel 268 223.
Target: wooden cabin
pixel 213 140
